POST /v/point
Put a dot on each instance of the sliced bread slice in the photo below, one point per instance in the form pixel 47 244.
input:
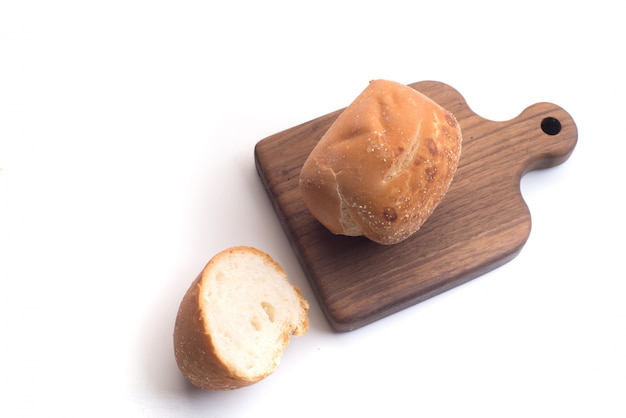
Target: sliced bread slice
pixel 235 320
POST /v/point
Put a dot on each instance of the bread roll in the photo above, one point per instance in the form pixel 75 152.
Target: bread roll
pixel 236 319
pixel 383 165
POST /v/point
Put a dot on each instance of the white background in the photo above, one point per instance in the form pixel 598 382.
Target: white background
pixel 127 131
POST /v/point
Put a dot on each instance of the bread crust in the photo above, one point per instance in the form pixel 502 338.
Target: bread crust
pixel 384 164
pixel 196 354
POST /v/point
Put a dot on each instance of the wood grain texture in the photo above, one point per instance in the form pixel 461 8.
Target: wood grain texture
pixel 482 222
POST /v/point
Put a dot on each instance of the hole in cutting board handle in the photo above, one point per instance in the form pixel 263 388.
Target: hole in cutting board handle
pixel 551 126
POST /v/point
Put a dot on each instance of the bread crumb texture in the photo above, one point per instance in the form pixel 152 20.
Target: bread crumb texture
pixel 236 319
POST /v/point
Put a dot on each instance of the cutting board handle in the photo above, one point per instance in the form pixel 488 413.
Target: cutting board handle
pixel 555 138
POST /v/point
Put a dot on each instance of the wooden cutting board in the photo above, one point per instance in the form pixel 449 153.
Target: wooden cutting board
pixel 482 223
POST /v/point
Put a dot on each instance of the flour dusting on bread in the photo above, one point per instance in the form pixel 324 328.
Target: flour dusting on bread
pixel 384 165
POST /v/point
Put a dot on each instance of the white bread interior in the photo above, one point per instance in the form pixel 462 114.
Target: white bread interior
pixel 236 319
pixel 384 164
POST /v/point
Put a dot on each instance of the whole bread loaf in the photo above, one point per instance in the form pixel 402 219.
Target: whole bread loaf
pixel 383 165
pixel 235 320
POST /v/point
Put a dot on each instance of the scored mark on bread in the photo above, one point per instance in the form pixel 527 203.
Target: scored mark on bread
pixel 406 157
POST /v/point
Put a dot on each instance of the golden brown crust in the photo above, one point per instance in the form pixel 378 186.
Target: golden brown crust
pixel 384 165
pixel 195 354
pixel 194 348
